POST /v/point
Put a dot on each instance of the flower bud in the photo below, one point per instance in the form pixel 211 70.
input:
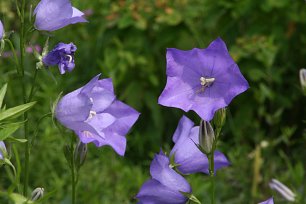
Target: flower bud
pixel 282 189
pixel 37 194
pixel 206 137
pixel 80 153
pixel 303 79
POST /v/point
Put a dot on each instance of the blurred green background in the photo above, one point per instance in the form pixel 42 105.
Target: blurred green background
pixel 264 136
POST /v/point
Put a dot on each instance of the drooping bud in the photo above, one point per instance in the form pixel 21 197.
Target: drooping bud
pixel 303 79
pixel 282 189
pixel 37 194
pixel 80 153
pixel 206 137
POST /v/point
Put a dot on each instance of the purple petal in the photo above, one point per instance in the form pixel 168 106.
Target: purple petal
pixel 187 154
pixel 125 117
pixel 161 172
pixel 153 192
pixel 184 72
pixel 2 149
pixel 269 201
pixel 183 129
pixel 1 30
pixel 73 107
pixel 55 14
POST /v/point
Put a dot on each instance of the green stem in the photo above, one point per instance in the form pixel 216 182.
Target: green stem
pixel 72 167
pixel 14 55
pixel 26 136
pixel 212 176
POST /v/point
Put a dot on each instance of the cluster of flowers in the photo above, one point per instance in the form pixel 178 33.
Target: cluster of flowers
pixel 202 80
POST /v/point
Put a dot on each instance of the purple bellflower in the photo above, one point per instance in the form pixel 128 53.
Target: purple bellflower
pixel 95 115
pixel 2 150
pixel 165 186
pixel 55 14
pixel 202 80
pixel 269 201
pixel 187 155
pixel 61 55
pixel 1 30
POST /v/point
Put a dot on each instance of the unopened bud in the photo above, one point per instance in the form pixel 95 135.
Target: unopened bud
pixel 303 79
pixel 206 136
pixel 80 153
pixel 37 194
pixel 219 120
pixel 282 189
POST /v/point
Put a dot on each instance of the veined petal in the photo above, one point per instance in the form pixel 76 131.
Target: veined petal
pixel 183 129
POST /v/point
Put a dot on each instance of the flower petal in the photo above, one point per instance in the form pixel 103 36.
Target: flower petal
pixel 153 192
pixel 161 172
pixel 183 129
pixel 269 201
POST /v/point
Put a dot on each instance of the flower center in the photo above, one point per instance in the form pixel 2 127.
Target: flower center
pixel 87 134
pixel 91 114
pixel 206 82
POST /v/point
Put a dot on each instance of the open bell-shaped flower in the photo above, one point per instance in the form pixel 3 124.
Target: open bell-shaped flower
pixel 95 115
pixel 202 80
pixel 165 186
pixel 187 156
pixel 55 14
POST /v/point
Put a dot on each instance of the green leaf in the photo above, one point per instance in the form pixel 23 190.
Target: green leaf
pixel 2 94
pixel 9 129
pixel 13 112
pixel 13 139
pixel 19 199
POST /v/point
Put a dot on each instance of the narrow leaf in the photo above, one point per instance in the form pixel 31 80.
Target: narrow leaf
pixel 2 94
pixel 8 130
pixel 14 112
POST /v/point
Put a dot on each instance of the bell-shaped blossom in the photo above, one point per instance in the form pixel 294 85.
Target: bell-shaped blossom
pixel 61 55
pixel 202 80
pixel 95 115
pixel 55 14
pixel 269 201
pixel 2 150
pixel 165 186
pixel 1 30
pixel 187 155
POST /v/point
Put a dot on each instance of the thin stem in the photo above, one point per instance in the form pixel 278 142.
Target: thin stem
pixel 73 179
pixel 14 55
pixel 33 86
pixel 212 176
pixel 26 136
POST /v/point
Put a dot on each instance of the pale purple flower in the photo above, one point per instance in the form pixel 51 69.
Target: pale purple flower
pixel 55 14
pixel 2 150
pixel 95 115
pixel 202 80
pixel 187 155
pixel 1 30
pixel 269 201
pixel 165 186
pixel 61 55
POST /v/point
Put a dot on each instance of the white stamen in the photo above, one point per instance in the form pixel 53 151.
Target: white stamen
pixel 87 134
pixel 206 81
pixel 91 114
pixel 91 100
pixel 70 58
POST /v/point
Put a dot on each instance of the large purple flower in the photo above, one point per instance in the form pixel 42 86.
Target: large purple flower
pixel 186 153
pixel 1 30
pixel 95 115
pixel 202 80
pixel 165 186
pixel 55 14
pixel 2 150
pixel 61 55
pixel 269 201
